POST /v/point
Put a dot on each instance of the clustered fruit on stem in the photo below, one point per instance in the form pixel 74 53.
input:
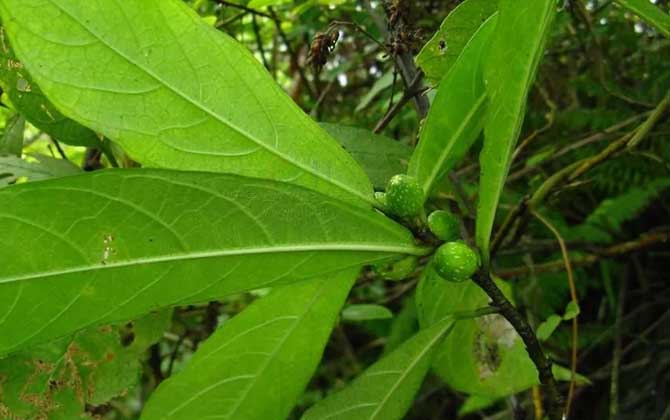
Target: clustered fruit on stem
pixel 454 260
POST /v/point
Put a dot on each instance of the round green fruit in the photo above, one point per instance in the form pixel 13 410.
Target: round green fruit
pixel 404 196
pixel 444 225
pixel 455 261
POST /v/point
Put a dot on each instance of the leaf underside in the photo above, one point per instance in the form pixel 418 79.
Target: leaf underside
pixel 515 52
pixel 174 92
pixel 257 365
pixel 129 241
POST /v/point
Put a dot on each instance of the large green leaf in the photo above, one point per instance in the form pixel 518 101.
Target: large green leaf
pixel 518 45
pixel 175 92
pixel 385 391
pixel 29 100
pixel 650 13
pixel 483 356
pixel 54 381
pixel 456 117
pixel 126 242
pixel 257 365
pixel 380 156
pixel 443 49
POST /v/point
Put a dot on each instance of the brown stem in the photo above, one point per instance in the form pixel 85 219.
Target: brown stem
pixel 542 363
pixel 412 91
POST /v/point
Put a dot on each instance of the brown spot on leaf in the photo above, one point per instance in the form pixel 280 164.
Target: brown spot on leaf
pixel 487 355
pixel 495 333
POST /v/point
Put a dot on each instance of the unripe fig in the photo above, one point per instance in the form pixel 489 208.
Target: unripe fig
pixel 455 261
pixel 404 196
pixel 444 225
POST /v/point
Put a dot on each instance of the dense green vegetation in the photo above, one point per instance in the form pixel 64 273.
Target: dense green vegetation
pixel 334 209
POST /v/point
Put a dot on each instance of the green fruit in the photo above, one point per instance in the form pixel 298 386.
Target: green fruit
pixel 404 196
pixel 444 225
pixel 455 261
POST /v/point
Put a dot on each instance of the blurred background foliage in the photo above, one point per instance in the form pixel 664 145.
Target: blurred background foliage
pixel 343 62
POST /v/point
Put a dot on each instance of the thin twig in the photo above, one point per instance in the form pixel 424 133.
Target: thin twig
pixel 630 140
pixel 259 41
pixel 291 51
pixel 646 127
pixel 322 97
pixel 412 91
pixel 360 29
pixel 616 353
pixel 244 8
pixel 230 20
pixel 573 297
pixel 61 152
pixel 645 241
pixel 537 402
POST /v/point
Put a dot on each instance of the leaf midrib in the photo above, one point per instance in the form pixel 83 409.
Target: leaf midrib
pixel 341 247
pixel 438 167
pixel 297 322
pixel 208 111
pixel 483 237
pixel 448 324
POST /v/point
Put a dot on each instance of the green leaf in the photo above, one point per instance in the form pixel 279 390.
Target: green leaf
pixel 11 142
pixel 405 324
pixel 383 83
pixel 385 391
pixel 476 403
pixel 175 92
pixel 258 364
pixel 12 168
pixel 56 380
pixel 440 53
pixel 516 50
pixel 456 117
pixel 365 312
pixel 380 156
pixel 483 356
pixel 571 311
pixel 125 241
pixel 564 374
pixel 650 13
pixel 547 328
pixel 28 99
